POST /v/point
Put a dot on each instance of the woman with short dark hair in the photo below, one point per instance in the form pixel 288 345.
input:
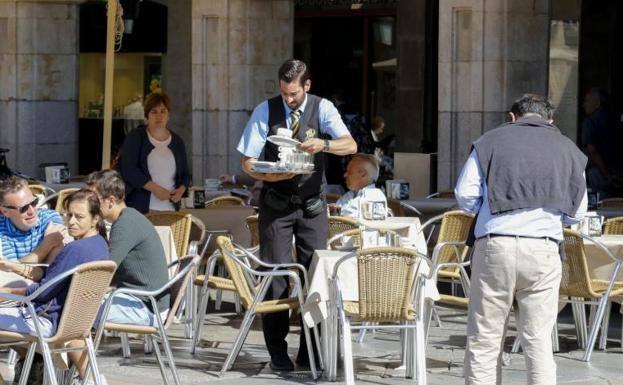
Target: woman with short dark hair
pixel 153 160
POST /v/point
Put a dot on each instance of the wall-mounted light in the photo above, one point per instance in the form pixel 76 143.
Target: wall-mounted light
pixel 131 10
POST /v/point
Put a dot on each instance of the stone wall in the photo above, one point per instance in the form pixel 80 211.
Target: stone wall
pixel 490 52
pixel 236 49
pixel 39 82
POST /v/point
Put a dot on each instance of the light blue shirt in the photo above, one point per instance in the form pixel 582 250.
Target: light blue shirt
pixel 349 202
pixel 471 195
pixel 255 133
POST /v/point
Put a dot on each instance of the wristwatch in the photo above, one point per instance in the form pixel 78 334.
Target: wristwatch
pixel 326 145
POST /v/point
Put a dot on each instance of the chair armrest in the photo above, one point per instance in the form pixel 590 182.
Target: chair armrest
pixel 409 207
pixel 441 245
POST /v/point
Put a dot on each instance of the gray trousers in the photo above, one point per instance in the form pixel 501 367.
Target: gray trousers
pixel 507 269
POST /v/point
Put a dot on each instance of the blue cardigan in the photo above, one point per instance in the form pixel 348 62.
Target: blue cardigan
pixel 135 171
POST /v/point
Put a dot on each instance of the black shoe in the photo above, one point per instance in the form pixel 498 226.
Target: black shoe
pixel 35 376
pixel 302 363
pixel 17 369
pixel 302 359
pixel 281 364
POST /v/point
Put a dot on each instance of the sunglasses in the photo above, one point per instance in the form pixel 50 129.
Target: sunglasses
pixel 24 208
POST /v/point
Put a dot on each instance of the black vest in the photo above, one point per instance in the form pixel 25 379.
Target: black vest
pixel 308 185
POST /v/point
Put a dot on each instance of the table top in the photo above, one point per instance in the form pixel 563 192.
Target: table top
pixel 600 265
pixel 228 218
pixel 432 206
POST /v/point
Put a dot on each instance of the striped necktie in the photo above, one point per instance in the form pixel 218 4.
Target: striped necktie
pixel 294 123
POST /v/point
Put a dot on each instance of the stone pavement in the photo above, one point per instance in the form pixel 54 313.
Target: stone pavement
pixel 375 358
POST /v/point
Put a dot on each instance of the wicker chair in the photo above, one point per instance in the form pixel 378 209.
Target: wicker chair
pixel 62 194
pixel 216 282
pixel 252 225
pixel 39 189
pixel 253 298
pixel 338 225
pixel 337 241
pixel 612 203
pixel 57 197
pixel 180 224
pixel 577 287
pixel 226 201
pixel 156 334
pixel 448 258
pixel 89 283
pixel 614 226
pixel 450 247
pixel 389 293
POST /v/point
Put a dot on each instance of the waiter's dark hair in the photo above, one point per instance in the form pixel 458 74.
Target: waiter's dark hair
pixel 533 104
pixel 293 69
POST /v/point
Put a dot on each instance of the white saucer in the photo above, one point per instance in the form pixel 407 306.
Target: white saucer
pixel 283 141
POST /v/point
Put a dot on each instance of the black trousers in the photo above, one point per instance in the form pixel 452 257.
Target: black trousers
pixel 276 231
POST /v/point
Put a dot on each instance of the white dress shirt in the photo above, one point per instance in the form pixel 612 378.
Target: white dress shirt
pixel 471 195
pixel 255 133
pixel 349 202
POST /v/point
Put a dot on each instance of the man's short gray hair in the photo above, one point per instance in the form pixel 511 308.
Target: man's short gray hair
pixel 370 164
pixel 11 185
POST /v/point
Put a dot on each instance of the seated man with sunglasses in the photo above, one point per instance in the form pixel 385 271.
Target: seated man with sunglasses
pixel 27 234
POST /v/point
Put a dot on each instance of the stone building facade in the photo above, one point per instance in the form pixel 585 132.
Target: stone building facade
pixel 222 61
pixel 39 82
pixel 490 53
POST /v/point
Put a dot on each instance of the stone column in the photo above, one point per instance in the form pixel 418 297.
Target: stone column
pixel 237 47
pixel 410 83
pixel 490 53
pixel 39 76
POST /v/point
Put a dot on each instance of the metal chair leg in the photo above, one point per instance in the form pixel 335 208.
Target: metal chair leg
pixel 603 339
pixel 437 318
pixel 160 360
pixel 48 367
pixel 349 371
pixel 147 346
pixel 93 361
pixel 169 353
pixel 12 359
pixel 595 328
pixel 362 334
pixel 579 317
pixel 420 352
pixel 516 345
pixel 125 345
pixel 555 343
pixel 240 338
pixel 189 310
pixel 199 318
pixel 30 355
pixel 219 292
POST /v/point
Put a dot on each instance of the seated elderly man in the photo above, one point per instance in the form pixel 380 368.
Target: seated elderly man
pixel 27 234
pixel 360 176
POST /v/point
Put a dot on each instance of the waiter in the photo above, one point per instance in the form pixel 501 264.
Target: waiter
pixel 292 205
